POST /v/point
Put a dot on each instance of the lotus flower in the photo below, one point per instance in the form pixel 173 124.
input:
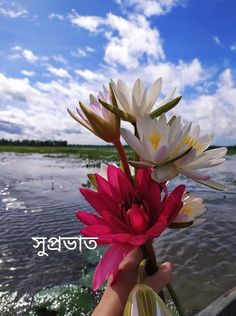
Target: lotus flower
pixel 138 101
pixel 173 148
pixel 193 207
pixel 97 119
pixel 128 216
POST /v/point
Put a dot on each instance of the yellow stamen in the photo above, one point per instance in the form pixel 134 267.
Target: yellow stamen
pixel 154 139
pixel 187 210
pixel 191 142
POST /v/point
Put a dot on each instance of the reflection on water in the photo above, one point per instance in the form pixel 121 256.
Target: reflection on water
pixel 39 196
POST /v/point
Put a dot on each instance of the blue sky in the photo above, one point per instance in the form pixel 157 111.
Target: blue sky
pixel 54 53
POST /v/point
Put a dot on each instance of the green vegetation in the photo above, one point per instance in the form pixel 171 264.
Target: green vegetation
pixel 231 150
pixel 49 147
pixel 84 152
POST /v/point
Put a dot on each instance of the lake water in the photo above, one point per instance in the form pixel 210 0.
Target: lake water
pixel 39 196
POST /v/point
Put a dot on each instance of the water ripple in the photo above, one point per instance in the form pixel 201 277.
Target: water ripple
pixel 40 198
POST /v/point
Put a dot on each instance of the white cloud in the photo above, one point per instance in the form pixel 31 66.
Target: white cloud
pixel 216 40
pixel 128 40
pixel 55 16
pixel 151 7
pixel 89 75
pixel 133 43
pixel 82 52
pixel 135 40
pixel 37 108
pixel 90 49
pixel 28 73
pixel 60 59
pixel 233 47
pixel 179 75
pixel 12 9
pixel 59 72
pixel 215 112
pixel 18 53
pixel 90 23
pixel 79 53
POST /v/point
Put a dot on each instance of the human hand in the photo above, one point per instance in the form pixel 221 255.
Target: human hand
pixel 116 294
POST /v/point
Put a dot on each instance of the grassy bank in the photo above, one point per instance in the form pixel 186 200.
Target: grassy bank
pixel 90 152
pixel 231 150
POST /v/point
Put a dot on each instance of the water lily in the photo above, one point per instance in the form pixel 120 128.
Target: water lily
pixel 97 119
pixel 143 300
pixel 192 208
pixel 139 101
pixel 174 148
pixel 128 215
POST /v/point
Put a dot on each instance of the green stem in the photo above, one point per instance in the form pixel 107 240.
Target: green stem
pixel 136 156
pixel 152 267
pixel 175 299
pixel 123 159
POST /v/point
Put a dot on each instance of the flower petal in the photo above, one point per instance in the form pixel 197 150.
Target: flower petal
pixel 160 154
pixel 173 204
pixel 213 184
pixel 120 182
pixel 138 98
pixel 96 230
pixel 89 218
pixel 109 263
pixel 133 141
pixel 194 175
pixel 164 173
pixel 124 95
pixel 153 93
pixel 97 202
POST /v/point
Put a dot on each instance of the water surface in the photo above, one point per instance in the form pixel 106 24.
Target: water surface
pixel 39 196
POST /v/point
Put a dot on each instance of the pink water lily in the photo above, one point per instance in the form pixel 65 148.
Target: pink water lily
pixel 128 215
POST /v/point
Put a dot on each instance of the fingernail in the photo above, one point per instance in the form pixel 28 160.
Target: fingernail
pixel 167 265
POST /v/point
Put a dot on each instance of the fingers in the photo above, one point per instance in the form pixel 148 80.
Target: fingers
pixel 132 260
pixel 128 270
pixel 161 278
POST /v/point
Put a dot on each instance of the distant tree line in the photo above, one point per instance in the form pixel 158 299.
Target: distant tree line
pixel 63 143
pixel 32 142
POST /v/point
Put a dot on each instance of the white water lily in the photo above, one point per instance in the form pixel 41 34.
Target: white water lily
pixel 143 301
pixel 193 207
pixel 97 119
pixel 174 148
pixel 139 101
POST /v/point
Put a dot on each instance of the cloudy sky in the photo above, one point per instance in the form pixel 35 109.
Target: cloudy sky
pixel 54 53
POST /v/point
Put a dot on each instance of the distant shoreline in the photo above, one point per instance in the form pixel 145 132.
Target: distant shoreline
pixel 96 152
pixel 84 151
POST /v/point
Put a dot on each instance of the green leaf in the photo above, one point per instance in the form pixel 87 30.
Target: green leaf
pixel 165 108
pixel 171 121
pixel 64 300
pixel 121 114
pixel 180 225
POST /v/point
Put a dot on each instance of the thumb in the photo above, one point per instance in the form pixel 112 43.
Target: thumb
pixel 161 278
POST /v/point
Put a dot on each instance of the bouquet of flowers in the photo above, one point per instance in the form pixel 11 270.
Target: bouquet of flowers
pixel 132 201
